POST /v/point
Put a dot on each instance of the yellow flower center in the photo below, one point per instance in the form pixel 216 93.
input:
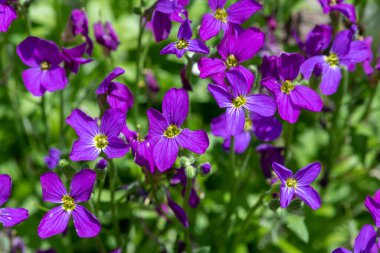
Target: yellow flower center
pixel 221 14
pixel 332 60
pixel 248 125
pixel 231 61
pixel 101 141
pixel 45 65
pixel 172 131
pixel 291 183
pixel 332 2
pixel 239 101
pixel 287 87
pixel 181 44
pixel 68 203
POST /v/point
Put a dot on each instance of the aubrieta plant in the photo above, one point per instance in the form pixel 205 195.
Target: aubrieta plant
pixel 177 126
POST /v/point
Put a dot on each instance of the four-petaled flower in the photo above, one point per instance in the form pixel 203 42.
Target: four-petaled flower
pixel 106 36
pixel 93 139
pixel 291 98
pixel 348 10
pixel 185 43
pixel 239 100
pixel 56 220
pixel 9 216
pixel 236 14
pixel 43 57
pixel 166 132
pixel 7 15
pixel 298 184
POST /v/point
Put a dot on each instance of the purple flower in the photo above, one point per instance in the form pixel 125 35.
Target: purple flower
pixel 78 25
pixel 205 168
pixel 106 36
pixel 73 57
pixel 268 67
pixel 178 212
pixel 236 14
pixel 119 96
pixel 101 164
pixel 185 80
pixel 93 139
pixel 180 178
pixel 151 81
pixel 9 217
pixel 263 128
pixel 43 57
pixel 185 43
pixel 366 64
pixel 365 242
pixel 291 98
pixel 52 158
pixel 269 155
pixel 7 15
pixel 56 220
pixel 344 51
pixel 239 100
pixel 167 134
pixel 317 40
pixel 348 10
pixel 167 11
pixel 142 149
pixel 234 49
pixel 298 184
pixel 373 206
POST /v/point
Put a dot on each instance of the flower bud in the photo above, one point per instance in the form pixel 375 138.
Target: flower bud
pixel 102 164
pixel 205 169
pixel 190 171
pixel 184 162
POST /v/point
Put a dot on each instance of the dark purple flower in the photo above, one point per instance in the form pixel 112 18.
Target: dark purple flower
pixel 345 52
pixel 263 128
pixel 93 139
pixel 106 36
pixel 178 212
pixel 7 15
pixel 185 80
pixel 269 155
pixel 185 43
pixel 234 49
pixel 291 98
pixel 74 57
pixel 52 159
pixel 317 40
pixel 348 10
pixel 56 220
pixel 239 100
pixel 378 64
pixel 119 96
pixel 9 217
pixel 236 14
pixel 101 164
pixel 205 168
pixel 268 67
pixel 298 184
pixel 373 206
pixel 142 149
pixel 167 134
pixel 78 25
pixel 43 57
pixel 151 81
pixel 180 178
pixel 365 242
pixel 366 64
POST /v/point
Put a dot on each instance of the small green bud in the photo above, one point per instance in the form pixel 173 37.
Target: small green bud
pixel 184 161
pixel 190 171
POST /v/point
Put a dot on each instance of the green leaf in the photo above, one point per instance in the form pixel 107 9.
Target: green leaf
pixel 297 225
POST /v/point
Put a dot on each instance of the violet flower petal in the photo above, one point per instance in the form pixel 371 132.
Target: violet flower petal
pixel 261 104
pixel 197 46
pixel 216 4
pixel 112 123
pixel 242 10
pixel 235 120
pixel 289 66
pixel 86 224
pixel 210 27
pixel 238 83
pixel 221 96
pixel 365 239
pixel 82 184
pixel 52 187
pixel 286 109
pixel 6 188
pixel 103 87
pixel 157 123
pixel 248 43
pixel 286 196
pixel 175 106
pixel 116 148
pixel 7 15
pixel 161 26
pixel 307 67
pixel 209 67
pixel 306 98
pixel 195 141
pixel 341 44
pixel 242 142
pixel 282 172
pixel 84 126
pixel 331 77
pixel 54 222
pixel 10 217
pixel 309 196
pixel 32 81
pixel 84 150
pixel 165 153
pixel 374 209
pixel 308 174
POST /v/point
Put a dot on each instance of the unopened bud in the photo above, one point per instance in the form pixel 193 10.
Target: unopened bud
pixel 205 169
pixel 190 171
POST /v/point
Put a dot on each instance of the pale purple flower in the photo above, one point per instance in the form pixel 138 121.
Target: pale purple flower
pixel 78 25
pixel 9 217
pixel 56 220
pixel 365 242
pixel 52 159
pixel 7 15
pixel 106 36
pixel 298 184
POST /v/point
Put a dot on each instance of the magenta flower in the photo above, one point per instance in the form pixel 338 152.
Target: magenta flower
pixel 236 14
pixel 345 52
pixel 180 178
pixel 74 57
pixel 119 96
pixel 291 98
pixel 56 220
pixel 317 40
pixel 185 43
pixel 239 100
pixel 7 15
pixel 78 25
pixel 234 49
pixel 373 206
pixel 9 217
pixel 167 134
pixel 365 242
pixel 43 57
pixel 366 64
pixel 106 36
pixel 268 67
pixel 298 184
pixel 93 139
pixel 52 159
pixel 348 10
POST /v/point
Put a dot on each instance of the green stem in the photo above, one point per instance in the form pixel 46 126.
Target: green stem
pixel 187 210
pixel 97 238
pixel 61 118
pixel 288 135
pixel 101 186
pixel 367 110
pixel 112 182
pixel 44 119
